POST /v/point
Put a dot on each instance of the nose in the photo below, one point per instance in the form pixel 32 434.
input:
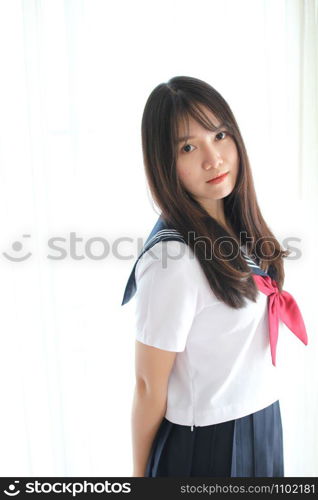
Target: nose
pixel 212 159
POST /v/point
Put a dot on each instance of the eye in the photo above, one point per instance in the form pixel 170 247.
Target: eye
pixel 186 146
pixel 190 145
pixel 222 132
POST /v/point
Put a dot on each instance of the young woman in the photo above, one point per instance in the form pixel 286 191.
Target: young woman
pixel 209 298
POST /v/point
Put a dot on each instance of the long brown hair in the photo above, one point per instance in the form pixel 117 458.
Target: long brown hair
pixel 230 278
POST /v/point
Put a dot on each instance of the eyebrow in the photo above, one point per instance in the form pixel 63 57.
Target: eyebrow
pixel 182 139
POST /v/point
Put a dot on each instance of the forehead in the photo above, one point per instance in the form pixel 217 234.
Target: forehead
pixel 206 118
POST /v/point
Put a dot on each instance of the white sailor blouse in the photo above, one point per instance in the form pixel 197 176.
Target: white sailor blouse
pixel 225 367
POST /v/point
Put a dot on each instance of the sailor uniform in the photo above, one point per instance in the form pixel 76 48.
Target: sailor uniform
pixel 224 386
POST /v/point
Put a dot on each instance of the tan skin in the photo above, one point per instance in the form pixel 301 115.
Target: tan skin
pixel 203 157
pixel 207 155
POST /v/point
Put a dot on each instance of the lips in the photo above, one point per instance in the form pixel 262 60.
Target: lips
pixel 218 177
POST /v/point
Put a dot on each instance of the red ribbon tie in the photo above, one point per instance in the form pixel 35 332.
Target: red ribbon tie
pixel 281 306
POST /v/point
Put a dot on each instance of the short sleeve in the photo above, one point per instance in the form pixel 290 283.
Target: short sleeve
pixel 167 295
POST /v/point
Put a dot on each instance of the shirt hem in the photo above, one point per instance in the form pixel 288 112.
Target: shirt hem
pixel 216 416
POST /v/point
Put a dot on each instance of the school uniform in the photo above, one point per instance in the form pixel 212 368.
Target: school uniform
pixel 223 415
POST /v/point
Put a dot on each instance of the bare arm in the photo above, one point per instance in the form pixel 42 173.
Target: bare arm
pixel 152 370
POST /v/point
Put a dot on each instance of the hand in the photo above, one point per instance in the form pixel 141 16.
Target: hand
pixel 138 474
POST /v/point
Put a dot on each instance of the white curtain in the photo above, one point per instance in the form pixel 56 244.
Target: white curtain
pixel 75 75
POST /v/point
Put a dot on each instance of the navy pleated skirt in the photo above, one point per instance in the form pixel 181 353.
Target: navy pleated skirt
pixel 250 446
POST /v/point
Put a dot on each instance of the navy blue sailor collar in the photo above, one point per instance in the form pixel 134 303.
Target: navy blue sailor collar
pixel 162 232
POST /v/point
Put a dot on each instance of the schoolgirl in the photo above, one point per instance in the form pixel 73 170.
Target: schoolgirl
pixel 208 290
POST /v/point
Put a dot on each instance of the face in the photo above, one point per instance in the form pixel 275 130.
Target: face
pixel 204 156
